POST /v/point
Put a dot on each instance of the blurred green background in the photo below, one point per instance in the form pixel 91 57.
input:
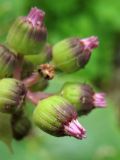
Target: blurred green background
pixel 76 18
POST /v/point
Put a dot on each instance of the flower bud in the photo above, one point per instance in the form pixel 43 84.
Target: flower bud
pixel 42 57
pixel 40 85
pixel 27 69
pixel 56 116
pixel 21 126
pixel 7 61
pixel 28 34
pixel 73 54
pixel 83 97
pixel 12 95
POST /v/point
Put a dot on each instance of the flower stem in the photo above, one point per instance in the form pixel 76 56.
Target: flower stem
pixel 33 79
pixel 18 68
pixel 35 97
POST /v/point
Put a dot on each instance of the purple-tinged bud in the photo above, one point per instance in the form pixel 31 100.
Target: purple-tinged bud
pixel 56 116
pixel 28 34
pixel 83 97
pixel 12 95
pixel 73 54
pixel 88 45
pixel 7 62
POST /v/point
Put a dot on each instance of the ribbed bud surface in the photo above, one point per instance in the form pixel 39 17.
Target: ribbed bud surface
pixel 83 97
pixel 56 116
pixel 7 62
pixel 12 95
pixel 28 34
pixel 73 54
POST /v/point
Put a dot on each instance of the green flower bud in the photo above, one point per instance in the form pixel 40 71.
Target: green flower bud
pixel 7 61
pixel 28 69
pixel 72 54
pixel 28 34
pixel 21 126
pixel 40 85
pixel 83 97
pixel 56 116
pixel 43 57
pixel 12 95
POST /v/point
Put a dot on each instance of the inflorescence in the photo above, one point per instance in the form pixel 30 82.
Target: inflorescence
pixel 28 63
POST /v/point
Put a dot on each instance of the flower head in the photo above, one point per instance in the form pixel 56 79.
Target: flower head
pixel 28 34
pixel 73 54
pixel 56 116
pixel 83 97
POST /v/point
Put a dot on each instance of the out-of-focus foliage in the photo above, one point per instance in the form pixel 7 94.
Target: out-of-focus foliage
pixel 66 18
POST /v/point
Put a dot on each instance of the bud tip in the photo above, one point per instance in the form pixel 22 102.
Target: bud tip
pixel 90 43
pixel 75 129
pixel 36 16
pixel 99 100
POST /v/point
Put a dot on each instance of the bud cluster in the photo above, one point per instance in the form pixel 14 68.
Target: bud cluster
pixel 28 62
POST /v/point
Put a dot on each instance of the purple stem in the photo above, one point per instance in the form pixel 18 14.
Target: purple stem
pixel 33 79
pixel 35 97
pixel 18 68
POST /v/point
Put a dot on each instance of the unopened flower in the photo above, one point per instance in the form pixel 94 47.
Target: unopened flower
pixel 56 116
pixel 7 61
pixel 28 34
pixel 73 54
pixel 40 85
pixel 83 97
pixel 43 56
pixel 21 126
pixel 12 95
